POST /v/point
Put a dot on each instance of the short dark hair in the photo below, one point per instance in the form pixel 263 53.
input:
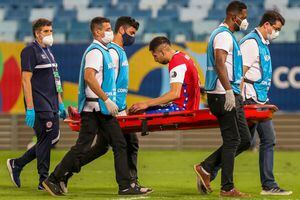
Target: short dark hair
pixel 41 22
pixel 271 16
pixel 157 41
pixel 235 7
pixel 97 22
pixel 126 21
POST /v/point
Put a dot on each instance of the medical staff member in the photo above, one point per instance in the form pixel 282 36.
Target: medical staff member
pixel 96 104
pixel 42 88
pixel 257 81
pixel 124 35
pixel 184 91
pixel 223 77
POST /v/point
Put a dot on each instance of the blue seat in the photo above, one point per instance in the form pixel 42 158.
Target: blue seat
pixel 65 15
pixel 21 34
pixel 169 14
pixel 158 26
pixel 5 4
pixel 27 4
pixel 60 26
pixel 127 5
pixel 257 3
pixel 214 14
pixel 100 3
pixel 80 26
pixel 114 13
pixel 53 3
pixel 176 4
pixel 201 37
pixel 17 14
pixel 294 3
pixel 79 36
pixel 220 5
pixel 145 14
pixel 187 33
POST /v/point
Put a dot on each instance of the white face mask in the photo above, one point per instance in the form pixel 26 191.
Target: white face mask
pixel 108 37
pixel 48 40
pixel 244 25
pixel 273 35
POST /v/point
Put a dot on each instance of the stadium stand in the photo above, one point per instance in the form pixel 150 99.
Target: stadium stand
pixel 191 19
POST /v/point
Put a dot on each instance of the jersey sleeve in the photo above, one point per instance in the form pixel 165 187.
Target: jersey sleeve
pixel 223 41
pixel 94 60
pixel 28 59
pixel 177 70
pixel 250 52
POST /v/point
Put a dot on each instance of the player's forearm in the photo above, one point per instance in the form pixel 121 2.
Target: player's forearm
pixel 93 84
pixel 223 76
pixel 26 84
pixel 245 69
pixel 166 98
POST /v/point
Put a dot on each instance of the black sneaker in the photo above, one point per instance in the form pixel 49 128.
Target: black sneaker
pixel 14 172
pixel 142 188
pixel 52 187
pixel 64 183
pixel 41 187
pixel 275 191
pixel 132 191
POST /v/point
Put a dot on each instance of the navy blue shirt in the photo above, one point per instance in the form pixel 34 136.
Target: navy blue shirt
pixel 41 63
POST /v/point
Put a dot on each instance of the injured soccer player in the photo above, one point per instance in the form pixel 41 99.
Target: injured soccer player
pixel 184 91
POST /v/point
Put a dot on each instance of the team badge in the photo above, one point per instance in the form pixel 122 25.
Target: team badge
pixel 174 74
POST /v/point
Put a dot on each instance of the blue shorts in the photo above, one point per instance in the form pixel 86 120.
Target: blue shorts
pixel 164 109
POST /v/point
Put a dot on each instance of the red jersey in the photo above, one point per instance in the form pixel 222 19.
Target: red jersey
pixel 182 69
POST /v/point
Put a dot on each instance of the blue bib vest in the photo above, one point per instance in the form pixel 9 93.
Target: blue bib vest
pixel 261 86
pixel 237 64
pixel 108 84
pixel 122 78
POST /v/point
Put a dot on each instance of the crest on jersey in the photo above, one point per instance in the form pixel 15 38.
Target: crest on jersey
pixel 173 75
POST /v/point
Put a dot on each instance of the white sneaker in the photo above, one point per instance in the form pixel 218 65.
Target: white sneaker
pixel 275 191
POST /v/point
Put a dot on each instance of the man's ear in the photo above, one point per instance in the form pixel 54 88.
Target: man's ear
pixel 36 34
pixel 98 32
pixel 122 30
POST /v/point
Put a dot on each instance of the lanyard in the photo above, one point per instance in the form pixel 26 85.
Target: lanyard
pixel 54 70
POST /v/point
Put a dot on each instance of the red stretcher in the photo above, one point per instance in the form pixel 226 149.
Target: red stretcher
pixel 180 120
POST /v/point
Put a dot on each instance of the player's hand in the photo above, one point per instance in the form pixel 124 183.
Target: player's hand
pixel 62 111
pixel 275 108
pixel 138 107
pixel 229 100
pixel 111 107
pixel 30 117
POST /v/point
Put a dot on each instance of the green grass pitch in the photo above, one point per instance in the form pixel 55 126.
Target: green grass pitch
pixel 169 173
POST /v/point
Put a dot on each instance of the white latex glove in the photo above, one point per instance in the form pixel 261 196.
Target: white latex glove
pixel 111 107
pixel 122 113
pixel 229 100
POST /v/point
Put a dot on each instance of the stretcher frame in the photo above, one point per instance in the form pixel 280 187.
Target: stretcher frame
pixel 179 120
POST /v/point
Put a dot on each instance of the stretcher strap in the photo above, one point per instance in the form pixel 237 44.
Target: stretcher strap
pixel 145 130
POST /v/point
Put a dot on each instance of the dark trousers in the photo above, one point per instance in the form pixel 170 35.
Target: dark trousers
pixel 106 127
pixel 235 134
pixel 102 146
pixel 46 128
pixel 266 134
